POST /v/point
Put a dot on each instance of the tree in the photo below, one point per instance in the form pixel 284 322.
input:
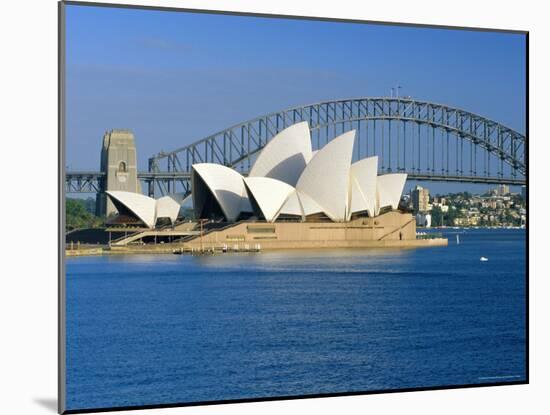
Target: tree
pixel 77 216
pixel 437 216
pixel 451 215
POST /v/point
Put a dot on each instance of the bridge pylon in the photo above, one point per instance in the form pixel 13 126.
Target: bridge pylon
pixel 119 165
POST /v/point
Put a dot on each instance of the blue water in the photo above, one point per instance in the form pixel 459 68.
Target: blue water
pixel 145 330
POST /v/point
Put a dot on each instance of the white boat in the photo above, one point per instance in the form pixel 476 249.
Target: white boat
pixel 483 259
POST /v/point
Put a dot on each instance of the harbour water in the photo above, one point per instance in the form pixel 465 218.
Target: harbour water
pixel 145 330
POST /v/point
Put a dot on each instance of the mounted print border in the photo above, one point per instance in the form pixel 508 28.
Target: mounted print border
pixel 288 253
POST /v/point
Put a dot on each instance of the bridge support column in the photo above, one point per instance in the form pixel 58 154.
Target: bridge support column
pixel 119 163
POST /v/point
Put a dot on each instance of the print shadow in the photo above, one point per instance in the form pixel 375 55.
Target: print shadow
pixel 48 403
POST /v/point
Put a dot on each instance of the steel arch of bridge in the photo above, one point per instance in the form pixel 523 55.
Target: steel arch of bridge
pixel 428 141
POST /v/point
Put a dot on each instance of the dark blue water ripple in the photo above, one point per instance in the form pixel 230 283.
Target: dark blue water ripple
pixel 162 329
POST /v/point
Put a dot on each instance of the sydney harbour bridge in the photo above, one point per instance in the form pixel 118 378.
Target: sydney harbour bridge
pixel 428 141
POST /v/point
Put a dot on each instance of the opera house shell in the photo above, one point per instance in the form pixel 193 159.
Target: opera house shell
pixel 143 210
pixel 288 182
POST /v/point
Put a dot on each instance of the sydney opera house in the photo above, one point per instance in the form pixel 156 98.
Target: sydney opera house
pixel 292 196
pixel 289 181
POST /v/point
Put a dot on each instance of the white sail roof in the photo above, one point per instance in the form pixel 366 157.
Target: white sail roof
pixel 358 202
pixel 169 206
pixel 309 206
pixel 225 184
pixel 326 179
pixel 390 187
pixel 285 156
pixel 363 185
pixel 270 194
pixel 142 206
pixel 288 178
pixel 292 206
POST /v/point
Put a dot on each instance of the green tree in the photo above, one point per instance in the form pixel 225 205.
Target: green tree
pixel 451 215
pixel 437 216
pixel 78 216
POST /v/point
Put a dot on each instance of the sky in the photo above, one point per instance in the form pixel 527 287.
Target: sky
pixel 174 78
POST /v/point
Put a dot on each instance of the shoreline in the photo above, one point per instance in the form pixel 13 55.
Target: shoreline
pixel 475 227
pixel 217 248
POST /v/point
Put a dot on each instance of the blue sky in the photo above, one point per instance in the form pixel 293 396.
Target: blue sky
pixel 173 78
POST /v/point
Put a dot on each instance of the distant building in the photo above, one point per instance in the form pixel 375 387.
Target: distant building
pixel 420 200
pixel 473 211
pixel 524 193
pixel 490 203
pixel 503 189
pixel 444 208
pixel 469 221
